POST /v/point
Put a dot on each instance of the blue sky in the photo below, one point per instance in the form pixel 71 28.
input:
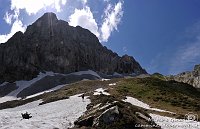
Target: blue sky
pixel 162 35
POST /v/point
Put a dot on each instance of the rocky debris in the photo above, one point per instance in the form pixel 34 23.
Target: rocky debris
pixel 189 77
pixel 113 114
pixel 50 44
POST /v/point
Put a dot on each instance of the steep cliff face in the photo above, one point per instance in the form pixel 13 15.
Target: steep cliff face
pixel 190 77
pixel 50 44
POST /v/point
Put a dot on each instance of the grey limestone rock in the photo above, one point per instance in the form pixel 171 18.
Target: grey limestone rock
pixel 190 77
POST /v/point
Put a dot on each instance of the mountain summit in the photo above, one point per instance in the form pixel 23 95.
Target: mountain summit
pixel 50 44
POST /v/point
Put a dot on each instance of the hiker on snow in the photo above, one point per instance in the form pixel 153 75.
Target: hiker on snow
pixel 83 95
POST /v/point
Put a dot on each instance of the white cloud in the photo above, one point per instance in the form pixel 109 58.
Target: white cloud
pixel 33 6
pixel 85 19
pixel 17 26
pixel 110 20
pixel 112 17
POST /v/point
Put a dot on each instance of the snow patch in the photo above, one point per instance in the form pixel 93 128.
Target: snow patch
pixel 172 123
pixel 100 91
pixel 86 72
pixel 112 84
pixel 104 79
pixel 60 114
pixel 141 104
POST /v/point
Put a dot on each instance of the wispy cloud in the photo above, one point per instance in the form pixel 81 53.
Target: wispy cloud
pixel 189 54
pixel 111 19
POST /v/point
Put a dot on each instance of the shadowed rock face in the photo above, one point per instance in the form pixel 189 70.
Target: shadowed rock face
pixel 50 44
pixel 7 88
pixel 190 77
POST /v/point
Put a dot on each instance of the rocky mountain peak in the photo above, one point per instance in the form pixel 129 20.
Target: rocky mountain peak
pixel 50 44
pixel 197 68
pixel 49 15
pixel 47 19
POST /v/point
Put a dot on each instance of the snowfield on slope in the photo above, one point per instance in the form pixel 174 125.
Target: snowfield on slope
pixel 22 85
pixel 141 104
pixel 60 114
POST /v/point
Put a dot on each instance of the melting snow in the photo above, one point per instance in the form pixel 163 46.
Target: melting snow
pixel 100 91
pixel 139 103
pixel 60 114
pixel 112 84
pixel 104 79
pixel 172 123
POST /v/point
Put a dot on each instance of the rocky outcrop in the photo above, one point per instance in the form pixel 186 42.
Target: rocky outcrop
pixel 112 113
pixel 190 77
pixel 50 44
